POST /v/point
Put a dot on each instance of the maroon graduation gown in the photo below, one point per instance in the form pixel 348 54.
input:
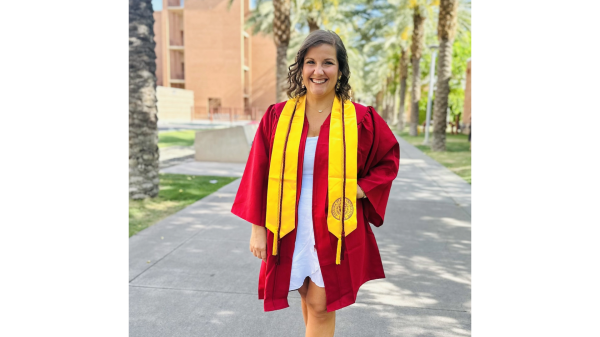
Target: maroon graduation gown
pixel 378 159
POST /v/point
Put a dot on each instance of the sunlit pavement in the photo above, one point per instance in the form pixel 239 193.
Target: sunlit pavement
pixel 193 275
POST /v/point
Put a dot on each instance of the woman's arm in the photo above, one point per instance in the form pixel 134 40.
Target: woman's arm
pixel 250 200
pixel 258 242
pixel 381 167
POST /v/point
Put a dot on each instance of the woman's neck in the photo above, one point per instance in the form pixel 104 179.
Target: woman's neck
pixel 323 103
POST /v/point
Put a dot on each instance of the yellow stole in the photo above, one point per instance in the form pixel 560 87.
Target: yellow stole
pixel 283 171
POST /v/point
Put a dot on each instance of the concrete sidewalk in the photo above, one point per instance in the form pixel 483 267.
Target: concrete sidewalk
pixel 192 274
pixel 207 168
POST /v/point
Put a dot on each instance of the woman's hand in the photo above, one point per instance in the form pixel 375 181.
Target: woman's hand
pixel 359 192
pixel 258 242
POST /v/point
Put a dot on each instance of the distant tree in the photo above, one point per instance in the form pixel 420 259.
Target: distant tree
pixel 312 14
pixel 313 10
pixel 387 37
pixel 447 22
pixel 281 18
pixel 404 61
pixel 461 53
pixel 143 135
pixel 389 47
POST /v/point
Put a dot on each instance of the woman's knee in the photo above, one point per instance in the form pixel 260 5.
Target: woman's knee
pixel 317 307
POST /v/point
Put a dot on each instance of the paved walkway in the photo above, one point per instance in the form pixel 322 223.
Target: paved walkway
pixel 192 274
pixel 205 168
pixel 173 155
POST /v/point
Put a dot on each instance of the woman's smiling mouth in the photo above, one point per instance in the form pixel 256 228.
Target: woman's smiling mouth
pixel 319 81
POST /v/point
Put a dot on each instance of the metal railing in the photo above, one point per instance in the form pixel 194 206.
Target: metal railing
pixel 227 114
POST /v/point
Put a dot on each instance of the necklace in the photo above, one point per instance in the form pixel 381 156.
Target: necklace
pixel 319 110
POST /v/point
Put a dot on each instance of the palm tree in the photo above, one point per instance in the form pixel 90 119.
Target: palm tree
pixel 313 10
pixel 143 136
pixel 447 22
pixel 304 13
pixel 401 16
pixel 387 50
pixel 386 35
pixel 389 45
pixel 399 113
pixel 281 35
pixel 416 49
pixel 277 17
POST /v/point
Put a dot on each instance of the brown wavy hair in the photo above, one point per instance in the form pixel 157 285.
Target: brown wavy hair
pixel 314 39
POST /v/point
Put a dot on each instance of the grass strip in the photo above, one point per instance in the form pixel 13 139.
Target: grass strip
pixel 457 157
pixel 176 138
pixel 176 192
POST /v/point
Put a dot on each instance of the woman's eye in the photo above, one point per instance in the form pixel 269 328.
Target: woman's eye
pixel 328 62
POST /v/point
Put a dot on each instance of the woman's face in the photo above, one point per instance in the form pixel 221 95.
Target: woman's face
pixel 320 70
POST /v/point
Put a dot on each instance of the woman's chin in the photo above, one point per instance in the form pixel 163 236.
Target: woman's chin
pixel 319 91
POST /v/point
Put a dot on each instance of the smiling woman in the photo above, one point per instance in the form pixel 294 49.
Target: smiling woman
pixel 321 57
pixel 319 171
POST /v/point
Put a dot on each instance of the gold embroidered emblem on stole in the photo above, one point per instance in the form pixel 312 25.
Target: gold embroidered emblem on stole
pixel 336 209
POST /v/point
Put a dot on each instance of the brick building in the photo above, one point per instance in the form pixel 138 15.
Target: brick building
pixel 209 52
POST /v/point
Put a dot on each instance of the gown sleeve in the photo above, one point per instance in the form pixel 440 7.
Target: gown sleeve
pixel 250 200
pixel 381 167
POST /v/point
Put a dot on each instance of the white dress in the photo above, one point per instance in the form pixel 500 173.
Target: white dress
pixel 306 262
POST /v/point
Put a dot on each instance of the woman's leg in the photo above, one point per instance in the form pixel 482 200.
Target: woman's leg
pixel 320 322
pixel 303 290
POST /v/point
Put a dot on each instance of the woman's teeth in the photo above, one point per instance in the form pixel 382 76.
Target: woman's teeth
pixel 318 81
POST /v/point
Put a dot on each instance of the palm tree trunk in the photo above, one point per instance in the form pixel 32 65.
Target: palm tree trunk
pixel 440 105
pixel 446 30
pixel 416 51
pixel 396 100
pixel 401 113
pixel 312 24
pixel 399 117
pixel 386 101
pixel 379 101
pixel 392 99
pixel 388 107
pixel 282 72
pixel 281 34
pixel 415 96
pixel 143 135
